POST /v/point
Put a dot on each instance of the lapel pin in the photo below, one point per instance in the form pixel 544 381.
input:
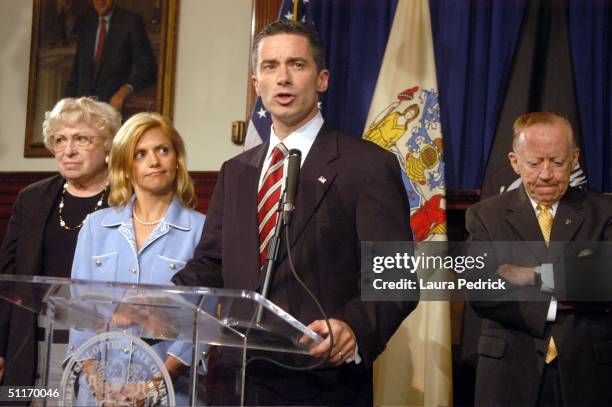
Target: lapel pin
pixel 322 179
pixel 568 221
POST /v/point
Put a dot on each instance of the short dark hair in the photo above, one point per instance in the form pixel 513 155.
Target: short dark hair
pixel 286 26
pixel 532 118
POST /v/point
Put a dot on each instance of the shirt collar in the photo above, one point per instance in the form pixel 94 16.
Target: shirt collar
pixel 175 216
pixel 301 139
pixel 107 17
pixel 534 204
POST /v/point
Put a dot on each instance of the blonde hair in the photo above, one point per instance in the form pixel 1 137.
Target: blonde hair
pixel 531 119
pixel 71 111
pixel 122 158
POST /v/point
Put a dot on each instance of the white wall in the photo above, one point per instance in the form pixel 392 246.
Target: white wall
pixel 211 80
pixel 211 77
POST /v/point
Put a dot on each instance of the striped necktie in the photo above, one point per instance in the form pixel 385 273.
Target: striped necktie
pixel 267 199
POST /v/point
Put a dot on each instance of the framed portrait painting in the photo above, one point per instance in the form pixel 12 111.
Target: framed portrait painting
pixel 119 51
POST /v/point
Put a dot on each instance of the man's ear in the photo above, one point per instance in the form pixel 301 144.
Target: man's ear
pixel 255 84
pixel 514 162
pixel 575 156
pixel 322 80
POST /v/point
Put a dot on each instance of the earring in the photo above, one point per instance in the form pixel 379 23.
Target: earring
pixel 106 159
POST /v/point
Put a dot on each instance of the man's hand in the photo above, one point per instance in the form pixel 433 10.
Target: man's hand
pixel 1 369
pixel 517 275
pixel 344 341
pixel 119 97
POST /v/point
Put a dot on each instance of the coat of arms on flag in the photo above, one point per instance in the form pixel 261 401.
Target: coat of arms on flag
pixel 410 128
pixel 404 118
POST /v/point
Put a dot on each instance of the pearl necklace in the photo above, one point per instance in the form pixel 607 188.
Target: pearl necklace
pixel 62 221
pixel 142 222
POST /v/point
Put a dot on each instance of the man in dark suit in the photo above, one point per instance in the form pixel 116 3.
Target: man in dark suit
pixel 114 57
pixel 542 352
pixel 350 190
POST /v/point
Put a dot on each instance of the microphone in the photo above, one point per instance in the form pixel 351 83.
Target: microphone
pixel 293 175
pixel 287 205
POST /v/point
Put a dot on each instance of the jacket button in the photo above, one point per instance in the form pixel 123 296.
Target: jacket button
pixel 98 263
pixel 172 266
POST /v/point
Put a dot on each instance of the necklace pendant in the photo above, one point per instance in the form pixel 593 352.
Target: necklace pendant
pixel 62 222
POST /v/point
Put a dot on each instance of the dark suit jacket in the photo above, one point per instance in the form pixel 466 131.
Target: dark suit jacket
pixel 515 335
pixel 362 198
pixel 22 254
pixel 127 57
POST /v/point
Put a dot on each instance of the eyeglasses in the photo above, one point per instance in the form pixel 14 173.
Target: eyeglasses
pixel 79 141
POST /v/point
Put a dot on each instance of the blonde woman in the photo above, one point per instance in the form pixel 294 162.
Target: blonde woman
pixel 150 230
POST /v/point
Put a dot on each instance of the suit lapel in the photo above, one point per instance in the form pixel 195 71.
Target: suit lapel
pixel 89 43
pixel 567 222
pixel 248 184
pixel 112 37
pixel 37 220
pixel 316 176
pixel 521 216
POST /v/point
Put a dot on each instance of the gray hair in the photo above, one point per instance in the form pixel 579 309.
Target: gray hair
pixel 100 116
pixel 533 118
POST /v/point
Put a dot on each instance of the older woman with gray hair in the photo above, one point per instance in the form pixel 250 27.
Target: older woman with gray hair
pixel 42 232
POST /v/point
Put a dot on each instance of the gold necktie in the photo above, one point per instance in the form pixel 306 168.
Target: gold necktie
pixel 545 220
pixel 551 352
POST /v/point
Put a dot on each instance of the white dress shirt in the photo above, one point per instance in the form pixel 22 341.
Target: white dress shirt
pixel 546 269
pixel 300 139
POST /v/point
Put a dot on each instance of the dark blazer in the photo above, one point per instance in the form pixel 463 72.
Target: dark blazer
pixel 127 57
pixel 515 335
pixel 349 191
pixel 22 254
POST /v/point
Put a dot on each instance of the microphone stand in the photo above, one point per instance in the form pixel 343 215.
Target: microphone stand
pixel 284 212
pixel 270 264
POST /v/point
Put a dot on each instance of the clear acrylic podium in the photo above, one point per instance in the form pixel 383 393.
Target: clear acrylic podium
pixel 120 332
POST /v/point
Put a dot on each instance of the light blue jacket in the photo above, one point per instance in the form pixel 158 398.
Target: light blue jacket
pixel 106 251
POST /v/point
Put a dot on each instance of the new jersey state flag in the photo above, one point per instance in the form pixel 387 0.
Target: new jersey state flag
pixel 404 118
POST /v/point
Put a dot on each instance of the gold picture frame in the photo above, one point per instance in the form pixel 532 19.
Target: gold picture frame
pixel 53 49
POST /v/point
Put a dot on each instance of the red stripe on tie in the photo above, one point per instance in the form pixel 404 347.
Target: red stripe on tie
pixel 267 200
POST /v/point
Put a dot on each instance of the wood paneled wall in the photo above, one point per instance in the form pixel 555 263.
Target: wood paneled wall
pixel 12 182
